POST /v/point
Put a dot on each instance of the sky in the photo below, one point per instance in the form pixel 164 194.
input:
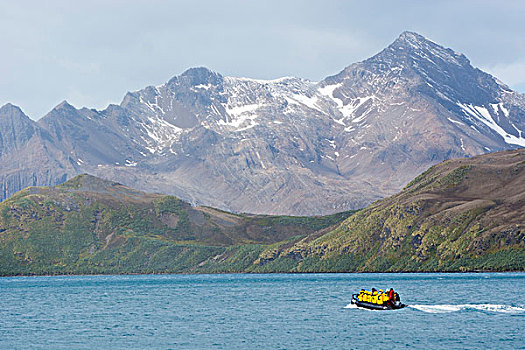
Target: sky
pixel 91 53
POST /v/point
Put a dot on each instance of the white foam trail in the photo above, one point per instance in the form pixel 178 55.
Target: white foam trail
pixel 436 309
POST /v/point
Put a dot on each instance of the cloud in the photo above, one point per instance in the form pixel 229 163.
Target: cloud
pixel 94 51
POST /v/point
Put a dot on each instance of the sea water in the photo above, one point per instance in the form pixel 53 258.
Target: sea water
pixel 267 311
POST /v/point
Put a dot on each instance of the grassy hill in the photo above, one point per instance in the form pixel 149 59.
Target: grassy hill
pixel 89 225
pixel 460 215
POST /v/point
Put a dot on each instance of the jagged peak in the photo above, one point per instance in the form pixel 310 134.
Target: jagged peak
pixel 407 51
pixel 13 111
pixel 112 107
pixel 198 71
pixel 412 37
pixel 197 76
pixel 419 47
pixel 65 111
pixel 128 97
pixel 414 40
pixel 8 107
pixel 64 105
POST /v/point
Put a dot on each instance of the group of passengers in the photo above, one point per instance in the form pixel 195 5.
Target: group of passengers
pixel 378 297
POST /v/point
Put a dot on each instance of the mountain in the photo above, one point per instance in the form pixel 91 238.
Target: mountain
pixel 90 225
pixel 460 215
pixel 284 146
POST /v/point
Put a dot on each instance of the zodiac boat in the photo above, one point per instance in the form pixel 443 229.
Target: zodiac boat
pixel 367 300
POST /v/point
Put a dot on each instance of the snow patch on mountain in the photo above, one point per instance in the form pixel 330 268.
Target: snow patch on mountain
pixel 263 81
pixel 455 121
pixel 203 86
pixel 237 111
pixel 154 107
pixel 160 133
pixel 483 115
pixel 328 91
pixel 241 116
pixel 310 102
pixel 349 109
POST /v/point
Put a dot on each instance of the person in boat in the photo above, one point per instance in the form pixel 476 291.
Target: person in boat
pixel 380 297
pixel 373 297
pixel 365 296
pixel 391 295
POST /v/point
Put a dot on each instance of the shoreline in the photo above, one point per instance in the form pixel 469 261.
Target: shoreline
pixel 262 273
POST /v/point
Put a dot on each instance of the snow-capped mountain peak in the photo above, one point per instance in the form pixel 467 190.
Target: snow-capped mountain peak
pixel 286 145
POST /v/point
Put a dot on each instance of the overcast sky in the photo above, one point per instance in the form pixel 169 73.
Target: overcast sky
pixel 91 53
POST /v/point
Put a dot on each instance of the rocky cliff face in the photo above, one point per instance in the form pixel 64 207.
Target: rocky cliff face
pixel 289 146
pixel 29 155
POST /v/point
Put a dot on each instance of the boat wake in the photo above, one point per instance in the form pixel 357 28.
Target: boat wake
pixel 437 309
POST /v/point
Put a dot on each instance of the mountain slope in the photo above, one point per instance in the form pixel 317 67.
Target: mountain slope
pixel 463 214
pixel 290 146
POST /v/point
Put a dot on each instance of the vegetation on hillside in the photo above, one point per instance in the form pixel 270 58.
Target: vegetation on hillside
pixel 461 215
pixel 88 225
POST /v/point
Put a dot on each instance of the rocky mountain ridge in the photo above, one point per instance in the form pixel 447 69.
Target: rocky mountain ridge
pixel 286 146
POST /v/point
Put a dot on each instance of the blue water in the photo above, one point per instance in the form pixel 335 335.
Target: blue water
pixel 275 311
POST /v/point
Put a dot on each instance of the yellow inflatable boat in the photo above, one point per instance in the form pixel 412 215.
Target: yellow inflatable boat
pixel 377 300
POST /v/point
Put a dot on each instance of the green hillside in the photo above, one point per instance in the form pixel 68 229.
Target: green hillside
pixel 460 215
pixel 89 225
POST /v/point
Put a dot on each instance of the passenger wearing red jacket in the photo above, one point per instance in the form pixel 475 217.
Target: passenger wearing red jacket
pixel 391 296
